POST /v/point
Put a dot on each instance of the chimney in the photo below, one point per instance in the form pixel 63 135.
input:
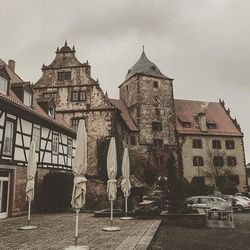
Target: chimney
pixel 202 121
pixel 12 64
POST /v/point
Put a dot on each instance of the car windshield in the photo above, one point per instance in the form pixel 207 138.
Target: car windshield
pixel 245 198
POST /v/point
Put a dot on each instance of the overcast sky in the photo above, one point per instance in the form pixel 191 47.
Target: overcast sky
pixel 203 44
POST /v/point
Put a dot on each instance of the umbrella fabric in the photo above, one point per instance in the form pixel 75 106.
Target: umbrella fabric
pixel 112 170
pixel 79 167
pixel 31 173
pixel 125 184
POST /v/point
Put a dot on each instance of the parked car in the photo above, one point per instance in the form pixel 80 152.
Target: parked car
pixel 208 202
pixel 242 203
pixel 246 194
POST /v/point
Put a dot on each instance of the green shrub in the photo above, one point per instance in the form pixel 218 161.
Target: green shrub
pixel 57 191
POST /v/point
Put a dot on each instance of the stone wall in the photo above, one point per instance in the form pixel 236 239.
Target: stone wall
pixel 147 103
pixel 188 152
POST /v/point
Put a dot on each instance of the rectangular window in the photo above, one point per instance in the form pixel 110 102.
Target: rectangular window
pixel 218 161
pixel 198 161
pixel 156 84
pixel 3 85
pixel 8 138
pixel 157 111
pixel 230 144
pixel 156 126
pixel 67 75
pixel 27 99
pixel 234 178
pixel 197 143
pixel 199 180
pixel 62 76
pixel 158 143
pixel 216 144
pixel 46 95
pixel 75 123
pixel 220 180
pixel 55 144
pixel 132 140
pixel 82 95
pixel 51 112
pixel 74 96
pixel 211 125
pixel 231 161
pixel 186 124
pixel 36 136
pixel 69 148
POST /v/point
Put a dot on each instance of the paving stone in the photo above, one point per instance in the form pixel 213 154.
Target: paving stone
pixel 56 231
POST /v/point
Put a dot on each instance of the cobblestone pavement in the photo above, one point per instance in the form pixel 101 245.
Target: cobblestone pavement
pixel 56 231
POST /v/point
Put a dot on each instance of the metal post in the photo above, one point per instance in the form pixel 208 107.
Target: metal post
pixel 29 212
pixel 76 233
pixel 126 206
pixel 111 214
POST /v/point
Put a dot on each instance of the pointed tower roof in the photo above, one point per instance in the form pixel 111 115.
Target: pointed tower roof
pixel 145 67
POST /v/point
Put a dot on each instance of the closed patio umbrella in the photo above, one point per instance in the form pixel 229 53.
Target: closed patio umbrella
pixel 125 184
pixel 79 167
pixel 30 184
pixel 111 185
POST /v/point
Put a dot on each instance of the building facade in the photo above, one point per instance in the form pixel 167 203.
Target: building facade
pixel 23 119
pixel 211 143
pixel 145 114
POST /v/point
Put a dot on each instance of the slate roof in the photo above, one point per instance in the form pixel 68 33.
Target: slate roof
pixel 127 118
pixel 186 110
pixel 146 67
pixel 14 78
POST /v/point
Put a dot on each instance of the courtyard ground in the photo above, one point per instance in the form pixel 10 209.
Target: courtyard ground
pixel 184 238
pixel 56 231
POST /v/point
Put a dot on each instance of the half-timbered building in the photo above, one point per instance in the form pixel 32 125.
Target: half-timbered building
pixel 23 119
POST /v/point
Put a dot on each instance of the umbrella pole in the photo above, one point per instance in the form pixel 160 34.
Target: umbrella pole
pixel 29 212
pixel 111 215
pixel 126 206
pixel 76 233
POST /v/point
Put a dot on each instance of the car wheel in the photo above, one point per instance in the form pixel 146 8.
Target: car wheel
pixel 215 214
pixel 240 208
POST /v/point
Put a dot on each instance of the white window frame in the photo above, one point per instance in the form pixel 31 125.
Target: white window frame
pixel 55 144
pixel 36 135
pixel 5 85
pixel 27 98
pixel 8 148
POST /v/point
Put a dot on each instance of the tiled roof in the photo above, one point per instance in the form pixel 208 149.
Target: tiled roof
pixel 145 67
pixel 35 109
pixel 186 110
pixel 120 105
pixel 14 78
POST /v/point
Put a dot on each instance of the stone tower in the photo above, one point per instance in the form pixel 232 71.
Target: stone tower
pixel 148 94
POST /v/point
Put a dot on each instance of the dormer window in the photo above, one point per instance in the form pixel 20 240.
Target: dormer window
pixel 211 125
pixel 51 112
pixel 3 85
pixel 65 75
pixel 27 99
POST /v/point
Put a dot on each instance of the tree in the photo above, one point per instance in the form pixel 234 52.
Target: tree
pixel 217 173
